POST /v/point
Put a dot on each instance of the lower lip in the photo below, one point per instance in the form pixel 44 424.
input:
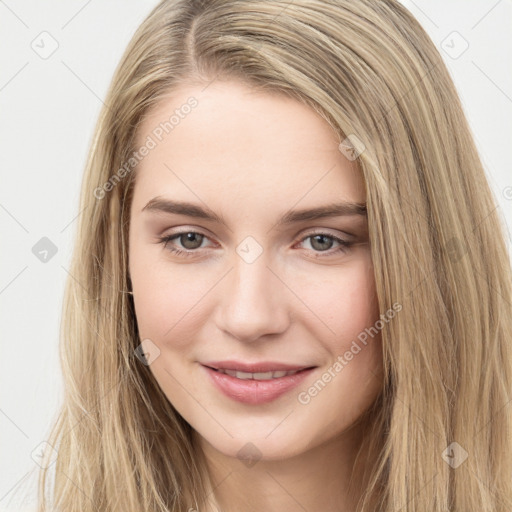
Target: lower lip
pixel 251 391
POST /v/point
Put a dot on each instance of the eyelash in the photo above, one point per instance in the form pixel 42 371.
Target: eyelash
pixel 344 245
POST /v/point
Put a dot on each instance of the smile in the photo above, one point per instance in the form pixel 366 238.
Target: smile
pixel 255 388
pixel 256 376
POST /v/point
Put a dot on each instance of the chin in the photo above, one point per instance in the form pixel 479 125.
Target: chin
pixel 252 445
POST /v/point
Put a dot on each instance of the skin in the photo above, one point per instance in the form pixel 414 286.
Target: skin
pixel 250 157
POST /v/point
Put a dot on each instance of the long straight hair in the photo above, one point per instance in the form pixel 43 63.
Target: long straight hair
pixel 441 438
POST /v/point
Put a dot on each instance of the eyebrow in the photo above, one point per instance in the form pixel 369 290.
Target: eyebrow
pixel 345 208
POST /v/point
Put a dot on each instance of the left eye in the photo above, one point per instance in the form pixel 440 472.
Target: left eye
pixel 320 242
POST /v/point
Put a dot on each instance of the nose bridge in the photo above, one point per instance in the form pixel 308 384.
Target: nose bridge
pixel 253 303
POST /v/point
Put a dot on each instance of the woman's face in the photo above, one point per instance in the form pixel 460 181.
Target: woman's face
pixel 256 283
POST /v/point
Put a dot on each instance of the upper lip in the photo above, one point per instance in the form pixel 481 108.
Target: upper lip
pixel 263 366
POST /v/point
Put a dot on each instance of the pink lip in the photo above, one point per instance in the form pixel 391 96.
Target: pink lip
pixel 255 392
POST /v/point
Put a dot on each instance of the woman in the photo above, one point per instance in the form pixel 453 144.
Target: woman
pixel 216 354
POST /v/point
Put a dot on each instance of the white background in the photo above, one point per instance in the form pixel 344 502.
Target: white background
pixel 48 111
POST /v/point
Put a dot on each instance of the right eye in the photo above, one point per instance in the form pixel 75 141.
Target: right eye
pixel 185 237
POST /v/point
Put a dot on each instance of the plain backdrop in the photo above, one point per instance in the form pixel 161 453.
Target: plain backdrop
pixel 56 62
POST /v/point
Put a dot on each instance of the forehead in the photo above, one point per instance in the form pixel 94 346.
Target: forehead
pixel 235 141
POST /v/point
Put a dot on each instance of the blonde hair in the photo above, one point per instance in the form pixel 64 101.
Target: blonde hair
pixel 370 70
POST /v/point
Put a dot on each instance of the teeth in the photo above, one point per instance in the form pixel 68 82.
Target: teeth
pixel 243 375
pixel 257 376
pixel 265 376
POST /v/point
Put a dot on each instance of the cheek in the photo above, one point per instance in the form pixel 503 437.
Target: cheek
pixel 354 377
pixel 349 310
pixel 161 309
pixel 168 300
pixel 358 305
pixel 346 304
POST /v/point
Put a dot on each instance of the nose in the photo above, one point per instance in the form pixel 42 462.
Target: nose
pixel 253 301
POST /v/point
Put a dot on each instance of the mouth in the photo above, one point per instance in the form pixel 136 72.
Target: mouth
pixel 256 367
pixel 255 387
pixel 269 375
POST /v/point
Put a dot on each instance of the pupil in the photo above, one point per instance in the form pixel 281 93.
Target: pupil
pixel 189 237
pixel 320 237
